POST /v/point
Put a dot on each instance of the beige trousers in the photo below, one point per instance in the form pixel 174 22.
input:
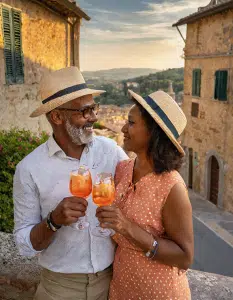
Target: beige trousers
pixel 59 286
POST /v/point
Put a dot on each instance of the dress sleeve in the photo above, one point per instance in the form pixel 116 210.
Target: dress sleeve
pixel 120 170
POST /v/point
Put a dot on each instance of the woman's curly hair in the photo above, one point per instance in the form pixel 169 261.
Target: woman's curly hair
pixel 164 154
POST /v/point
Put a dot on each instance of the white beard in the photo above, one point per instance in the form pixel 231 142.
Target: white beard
pixel 79 136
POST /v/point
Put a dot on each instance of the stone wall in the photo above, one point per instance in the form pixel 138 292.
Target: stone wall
pixel 211 132
pixel 210 35
pixel 46 40
pixel 19 277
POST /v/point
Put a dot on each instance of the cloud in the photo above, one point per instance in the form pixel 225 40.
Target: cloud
pixel 152 54
pixel 130 32
pixel 103 11
pixel 167 8
pixel 138 34
pixel 155 22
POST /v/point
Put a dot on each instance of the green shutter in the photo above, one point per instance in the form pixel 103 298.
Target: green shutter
pixel 220 92
pixel 12 45
pixel 223 86
pixel 7 33
pixel 217 81
pixel 196 83
pixel 198 86
pixel 16 20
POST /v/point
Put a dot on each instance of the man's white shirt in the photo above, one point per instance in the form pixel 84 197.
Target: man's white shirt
pixel 41 181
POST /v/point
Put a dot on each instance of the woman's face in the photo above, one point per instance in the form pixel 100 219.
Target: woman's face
pixel 136 134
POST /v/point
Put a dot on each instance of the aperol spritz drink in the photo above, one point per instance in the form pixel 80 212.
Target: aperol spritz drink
pixel 81 186
pixel 103 194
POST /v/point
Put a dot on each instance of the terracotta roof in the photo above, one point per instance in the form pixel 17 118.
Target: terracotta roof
pixel 214 7
pixel 66 8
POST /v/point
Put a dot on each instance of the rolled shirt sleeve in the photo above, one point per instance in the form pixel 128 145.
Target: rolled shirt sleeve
pixel 26 210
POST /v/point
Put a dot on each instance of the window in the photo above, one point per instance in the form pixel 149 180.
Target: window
pixel 195 110
pixel 12 45
pixel 220 91
pixel 196 89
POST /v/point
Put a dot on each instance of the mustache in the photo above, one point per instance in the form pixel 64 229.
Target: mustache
pixel 89 124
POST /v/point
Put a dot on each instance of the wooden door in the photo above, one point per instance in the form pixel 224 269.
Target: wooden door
pixel 214 180
pixel 190 181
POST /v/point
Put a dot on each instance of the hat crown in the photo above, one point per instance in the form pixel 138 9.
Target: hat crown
pixel 171 109
pixel 166 113
pixel 56 81
pixel 61 86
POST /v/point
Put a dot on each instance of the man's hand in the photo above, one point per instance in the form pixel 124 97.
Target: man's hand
pixel 112 217
pixel 69 210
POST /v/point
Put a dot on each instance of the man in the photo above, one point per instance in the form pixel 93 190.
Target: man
pixel 75 264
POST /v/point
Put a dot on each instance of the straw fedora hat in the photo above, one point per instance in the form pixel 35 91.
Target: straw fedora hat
pixel 166 113
pixel 60 87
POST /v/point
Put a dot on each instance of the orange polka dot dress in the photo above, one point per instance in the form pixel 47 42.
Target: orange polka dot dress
pixel 136 277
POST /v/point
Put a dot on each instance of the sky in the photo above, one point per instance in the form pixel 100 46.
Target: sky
pixel 133 33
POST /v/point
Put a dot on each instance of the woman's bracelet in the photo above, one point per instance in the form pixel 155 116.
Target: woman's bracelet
pixel 151 253
pixel 154 251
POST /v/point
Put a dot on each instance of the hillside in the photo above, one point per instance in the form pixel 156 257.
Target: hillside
pixel 117 74
pixel 116 92
pixel 160 80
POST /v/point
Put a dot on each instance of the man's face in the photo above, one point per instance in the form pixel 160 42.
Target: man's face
pixel 79 124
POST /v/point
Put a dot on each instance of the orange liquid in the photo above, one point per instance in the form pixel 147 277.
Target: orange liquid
pixel 80 186
pixel 103 194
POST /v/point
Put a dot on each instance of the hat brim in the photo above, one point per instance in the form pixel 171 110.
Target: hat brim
pixel 144 104
pixel 47 107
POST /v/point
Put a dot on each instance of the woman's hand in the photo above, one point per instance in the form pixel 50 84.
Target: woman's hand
pixel 112 217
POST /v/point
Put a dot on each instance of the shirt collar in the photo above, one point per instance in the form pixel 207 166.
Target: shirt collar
pixel 53 147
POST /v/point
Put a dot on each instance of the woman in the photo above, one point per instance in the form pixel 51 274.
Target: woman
pixel 152 215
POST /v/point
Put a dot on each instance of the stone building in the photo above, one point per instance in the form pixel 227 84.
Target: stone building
pixel 35 37
pixel 208 102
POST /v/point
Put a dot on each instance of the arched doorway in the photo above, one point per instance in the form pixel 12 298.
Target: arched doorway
pixel 214 180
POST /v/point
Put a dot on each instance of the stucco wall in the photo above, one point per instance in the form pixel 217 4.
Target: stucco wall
pixel 212 130
pixel 46 41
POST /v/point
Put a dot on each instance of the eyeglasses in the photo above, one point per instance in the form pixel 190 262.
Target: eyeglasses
pixel 85 111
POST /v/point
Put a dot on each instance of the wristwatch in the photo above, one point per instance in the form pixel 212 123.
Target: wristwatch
pixel 151 253
pixel 50 224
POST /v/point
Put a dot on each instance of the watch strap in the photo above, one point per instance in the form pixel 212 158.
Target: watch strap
pixel 50 224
